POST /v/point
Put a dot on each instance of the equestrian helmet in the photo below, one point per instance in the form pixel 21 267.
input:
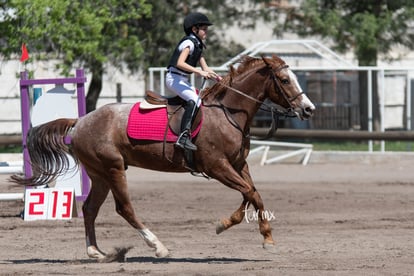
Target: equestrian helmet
pixel 195 19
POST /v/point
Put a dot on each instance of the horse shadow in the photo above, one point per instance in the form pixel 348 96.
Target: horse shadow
pixel 166 260
pixel 154 260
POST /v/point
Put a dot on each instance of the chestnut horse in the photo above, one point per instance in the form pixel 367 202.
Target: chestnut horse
pixel 99 141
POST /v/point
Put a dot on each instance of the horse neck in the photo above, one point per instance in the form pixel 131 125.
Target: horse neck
pixel 243 108
pixel 253 86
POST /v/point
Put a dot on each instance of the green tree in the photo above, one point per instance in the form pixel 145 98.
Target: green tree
pixel 369 27
pixel 163 30
pixel 81 33
pixel 128 34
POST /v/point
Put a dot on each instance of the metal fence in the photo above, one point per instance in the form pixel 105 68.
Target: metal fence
pixel 336 92
pixel 385 102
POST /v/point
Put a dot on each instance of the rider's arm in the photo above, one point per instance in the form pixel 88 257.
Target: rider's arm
pixel 182 65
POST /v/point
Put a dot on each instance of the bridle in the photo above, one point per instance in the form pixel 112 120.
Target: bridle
pixel 276 112
pixel 280 88
pixel 285 111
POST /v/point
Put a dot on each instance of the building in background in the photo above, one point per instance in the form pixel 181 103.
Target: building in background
pixel 331 90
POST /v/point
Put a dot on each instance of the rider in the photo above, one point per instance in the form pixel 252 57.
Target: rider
pixel 183 62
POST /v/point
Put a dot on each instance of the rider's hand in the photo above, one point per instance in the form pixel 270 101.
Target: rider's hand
pixel 210 75
pixel 218 78
pixel 205 74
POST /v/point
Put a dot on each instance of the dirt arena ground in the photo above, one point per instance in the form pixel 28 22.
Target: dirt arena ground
pixel 330 219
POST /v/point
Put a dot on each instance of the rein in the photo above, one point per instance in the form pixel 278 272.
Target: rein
pixel 275 112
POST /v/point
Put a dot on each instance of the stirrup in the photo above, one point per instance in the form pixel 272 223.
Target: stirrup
pixel 184 142
pixel 187 145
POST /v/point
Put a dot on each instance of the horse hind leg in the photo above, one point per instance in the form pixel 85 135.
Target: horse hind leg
pixel 125 209
pixel 97 195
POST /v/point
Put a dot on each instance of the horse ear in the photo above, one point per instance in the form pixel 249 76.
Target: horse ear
pixel 277 60
pixel 266 61
pixel 232 73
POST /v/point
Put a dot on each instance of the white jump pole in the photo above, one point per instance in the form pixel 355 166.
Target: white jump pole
pixel 11 167
pixel 11 170
pixel 11 196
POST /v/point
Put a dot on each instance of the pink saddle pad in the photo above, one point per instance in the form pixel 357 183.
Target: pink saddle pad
pixel 150 124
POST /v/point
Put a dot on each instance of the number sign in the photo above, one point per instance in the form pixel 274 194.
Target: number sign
pixel 50 203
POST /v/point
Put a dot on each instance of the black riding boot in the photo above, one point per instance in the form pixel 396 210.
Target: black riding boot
pixel 184 140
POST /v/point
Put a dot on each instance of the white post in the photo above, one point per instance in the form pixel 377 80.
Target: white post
pixel 408 102
pixel 370 147
pixel 382 106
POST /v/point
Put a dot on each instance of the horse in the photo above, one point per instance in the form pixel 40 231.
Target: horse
pixel 100 143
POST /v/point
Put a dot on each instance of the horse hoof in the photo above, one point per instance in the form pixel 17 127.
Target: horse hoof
pixel 269 247
pixel 162 252
pixel 220 227
pixel 95 253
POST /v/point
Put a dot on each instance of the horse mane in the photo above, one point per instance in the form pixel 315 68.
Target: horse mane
pixel 246 64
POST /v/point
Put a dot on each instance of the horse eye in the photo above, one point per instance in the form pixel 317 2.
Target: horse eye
pixel 285 81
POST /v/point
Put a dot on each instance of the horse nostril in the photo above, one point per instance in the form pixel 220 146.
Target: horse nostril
pixel 309 111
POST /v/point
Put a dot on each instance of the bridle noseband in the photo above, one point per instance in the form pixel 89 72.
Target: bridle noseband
pixel 281 90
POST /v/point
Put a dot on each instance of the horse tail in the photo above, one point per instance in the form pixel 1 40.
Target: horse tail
pixel 48 152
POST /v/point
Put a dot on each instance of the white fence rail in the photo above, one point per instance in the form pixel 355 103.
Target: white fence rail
pixel 296 149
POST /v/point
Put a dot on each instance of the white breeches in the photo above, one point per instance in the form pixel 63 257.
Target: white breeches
pixel 182 87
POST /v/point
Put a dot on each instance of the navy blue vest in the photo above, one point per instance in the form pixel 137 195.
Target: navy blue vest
pixel 193 58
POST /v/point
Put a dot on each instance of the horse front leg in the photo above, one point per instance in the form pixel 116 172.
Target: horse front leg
pixel 256 200
pixel 264 226
pixel 234 219
pixel 244 183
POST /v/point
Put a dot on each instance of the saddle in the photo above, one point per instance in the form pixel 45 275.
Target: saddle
pixel 175 112
pixel 175 109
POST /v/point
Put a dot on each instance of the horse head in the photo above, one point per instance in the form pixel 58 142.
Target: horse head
pixel 285 90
